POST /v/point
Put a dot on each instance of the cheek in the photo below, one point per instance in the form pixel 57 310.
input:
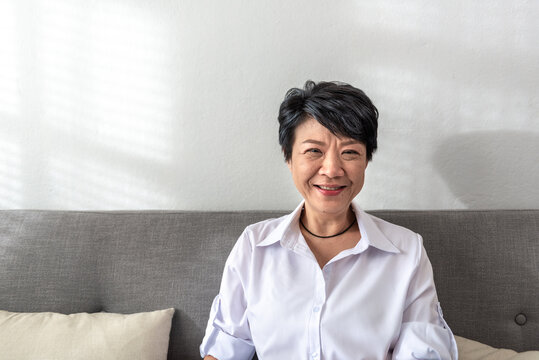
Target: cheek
pixel 307 171
pixel 302 174
pixel 358 173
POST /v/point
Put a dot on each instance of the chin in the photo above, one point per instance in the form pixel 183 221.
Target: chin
pixel 330 208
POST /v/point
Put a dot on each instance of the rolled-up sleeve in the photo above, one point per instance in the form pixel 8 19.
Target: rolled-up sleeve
pixel 227 334
pixel 424 333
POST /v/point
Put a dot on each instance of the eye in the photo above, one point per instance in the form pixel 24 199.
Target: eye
pixel 350 154
pixel 313 153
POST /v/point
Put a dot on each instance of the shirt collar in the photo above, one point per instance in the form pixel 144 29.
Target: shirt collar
pixel 287 226
pixel 371 235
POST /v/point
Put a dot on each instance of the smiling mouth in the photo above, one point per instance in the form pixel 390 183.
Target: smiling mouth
pixel 330 188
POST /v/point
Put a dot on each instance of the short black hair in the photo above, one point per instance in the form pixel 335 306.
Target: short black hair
pixel 341 108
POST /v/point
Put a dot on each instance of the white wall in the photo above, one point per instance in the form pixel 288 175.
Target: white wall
pixel 172 104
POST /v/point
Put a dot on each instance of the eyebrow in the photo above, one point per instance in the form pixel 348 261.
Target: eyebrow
pixel 345 143
pixel 309 141
pixel 350 142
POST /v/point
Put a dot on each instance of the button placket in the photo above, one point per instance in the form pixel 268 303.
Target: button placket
pixel 327 273
pixel 316 311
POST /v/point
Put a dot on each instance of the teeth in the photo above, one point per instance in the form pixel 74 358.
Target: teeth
pixel 329 188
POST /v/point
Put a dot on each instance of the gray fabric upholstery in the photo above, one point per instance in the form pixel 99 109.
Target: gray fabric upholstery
pixel 486 266
pixel 486 269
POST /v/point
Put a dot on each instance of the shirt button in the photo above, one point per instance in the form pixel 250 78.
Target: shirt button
pixel 316 309
pixel 314 355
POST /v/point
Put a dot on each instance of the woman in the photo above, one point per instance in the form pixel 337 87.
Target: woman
pixel 327 281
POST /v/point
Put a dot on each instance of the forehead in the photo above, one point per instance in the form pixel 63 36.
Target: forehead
pixel 311 130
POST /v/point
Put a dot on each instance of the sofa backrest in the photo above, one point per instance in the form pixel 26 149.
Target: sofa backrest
pixel 486 266
pixel 486 270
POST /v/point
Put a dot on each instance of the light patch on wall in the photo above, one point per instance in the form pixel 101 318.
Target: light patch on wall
pixel 98 184
pixel 482 107
pixel 499 22
pixel 406 89
pixel 10 102
pixel 391 177
pixel 404 16
pixel 393 166
pixel 104 78
pixel 10 175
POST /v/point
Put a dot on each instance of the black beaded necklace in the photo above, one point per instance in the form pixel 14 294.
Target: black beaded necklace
pixel 326 237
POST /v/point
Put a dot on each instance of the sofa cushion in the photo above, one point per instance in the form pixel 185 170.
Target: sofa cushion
pixel 49 335
pixel 474 350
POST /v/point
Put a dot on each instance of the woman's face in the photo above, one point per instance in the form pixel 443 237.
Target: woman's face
pixel 328 171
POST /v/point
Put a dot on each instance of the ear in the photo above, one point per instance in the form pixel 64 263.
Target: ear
pixel 289 164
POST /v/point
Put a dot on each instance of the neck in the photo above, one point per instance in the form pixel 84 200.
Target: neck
pixel 327 224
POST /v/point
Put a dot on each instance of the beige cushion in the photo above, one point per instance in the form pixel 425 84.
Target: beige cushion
pixel 53 336
pixel 473 350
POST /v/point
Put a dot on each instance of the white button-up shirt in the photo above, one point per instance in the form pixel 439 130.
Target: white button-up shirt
pixel 376 300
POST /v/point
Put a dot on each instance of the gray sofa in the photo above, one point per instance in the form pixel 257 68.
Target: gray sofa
pixel 486 266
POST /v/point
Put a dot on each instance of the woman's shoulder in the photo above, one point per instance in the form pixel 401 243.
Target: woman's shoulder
pixel 256 236
pixel 260 231
pixel 389 226
pixel 399 235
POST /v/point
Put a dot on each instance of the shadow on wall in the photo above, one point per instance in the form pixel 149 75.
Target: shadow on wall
pixel 491 169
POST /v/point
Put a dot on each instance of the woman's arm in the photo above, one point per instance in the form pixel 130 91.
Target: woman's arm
pixel 228 335
pixel 424 332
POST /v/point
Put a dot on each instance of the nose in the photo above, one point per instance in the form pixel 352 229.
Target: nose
pixel 331 166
